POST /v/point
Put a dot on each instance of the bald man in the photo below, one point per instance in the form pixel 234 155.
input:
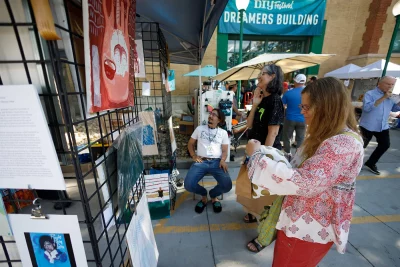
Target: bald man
pixel 374 119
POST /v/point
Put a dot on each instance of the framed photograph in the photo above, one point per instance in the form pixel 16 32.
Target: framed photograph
pixel 56 241
pixel 50 249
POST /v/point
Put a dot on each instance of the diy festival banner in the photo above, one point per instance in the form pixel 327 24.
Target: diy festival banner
pixel 275 17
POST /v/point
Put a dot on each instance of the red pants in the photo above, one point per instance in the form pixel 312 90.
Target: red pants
pixel 293 252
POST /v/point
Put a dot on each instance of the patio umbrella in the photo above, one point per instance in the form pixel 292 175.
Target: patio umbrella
pixel 288 62
pixel 207 71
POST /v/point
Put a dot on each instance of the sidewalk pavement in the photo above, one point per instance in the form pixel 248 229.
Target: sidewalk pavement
pixel 209 239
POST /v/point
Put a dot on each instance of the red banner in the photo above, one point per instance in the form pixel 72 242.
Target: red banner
pixel 110 53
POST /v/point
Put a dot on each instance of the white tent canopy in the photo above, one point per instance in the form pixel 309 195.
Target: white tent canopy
pixel 344 72
pixel 375 70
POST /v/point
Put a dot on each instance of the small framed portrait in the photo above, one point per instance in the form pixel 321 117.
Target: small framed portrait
pixel 52 242
pixel 50 249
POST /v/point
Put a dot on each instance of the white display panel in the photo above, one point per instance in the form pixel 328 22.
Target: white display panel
pixel 28 159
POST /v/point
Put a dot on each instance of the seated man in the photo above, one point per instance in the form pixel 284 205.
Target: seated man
pixel 212 150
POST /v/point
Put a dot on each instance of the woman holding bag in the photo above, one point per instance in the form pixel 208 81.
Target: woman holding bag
pixel 267 113
pixel 320 188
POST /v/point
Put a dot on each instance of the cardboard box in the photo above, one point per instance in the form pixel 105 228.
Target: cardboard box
pixel 186 127
pixel 187 117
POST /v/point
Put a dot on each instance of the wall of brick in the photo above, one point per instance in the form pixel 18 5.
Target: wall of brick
pixel 361 17
pixel 388 27
pixel 342 20
pixel 374 26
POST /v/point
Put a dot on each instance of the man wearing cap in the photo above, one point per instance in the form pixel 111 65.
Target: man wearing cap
pixel 294 120
pixel 235 111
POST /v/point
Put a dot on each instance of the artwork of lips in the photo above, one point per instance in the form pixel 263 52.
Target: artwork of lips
pixel 115 52
pixel 109 68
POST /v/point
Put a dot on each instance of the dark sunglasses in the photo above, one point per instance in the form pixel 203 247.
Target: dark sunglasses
pixel 304 107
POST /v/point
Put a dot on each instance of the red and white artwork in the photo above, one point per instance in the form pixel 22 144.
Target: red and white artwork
pixel 110 53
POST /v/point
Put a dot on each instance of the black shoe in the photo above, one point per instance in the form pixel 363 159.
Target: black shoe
pixel 372 168
pixel 217 207
pixel 294 145
pixel 200 206
pixel 59 205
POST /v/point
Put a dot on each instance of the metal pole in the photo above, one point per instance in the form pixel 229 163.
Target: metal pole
pixel 238 92
pixel 389 53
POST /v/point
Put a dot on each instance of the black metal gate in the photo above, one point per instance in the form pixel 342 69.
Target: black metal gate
pixel 57 69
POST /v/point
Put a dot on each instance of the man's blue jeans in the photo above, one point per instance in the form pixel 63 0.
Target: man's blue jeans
pixel 197 172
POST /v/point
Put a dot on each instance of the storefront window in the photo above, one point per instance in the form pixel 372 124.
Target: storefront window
pixel 396 45
pixel 253 48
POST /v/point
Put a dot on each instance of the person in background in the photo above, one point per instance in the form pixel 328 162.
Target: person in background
pixel 253 86
pixel 267 113
pixel 377 106
pixel 285 87
pixel 212 150
pixel 294 120
pixel 226 87
pixel 313 79
pixel 320 186
pixel 236 114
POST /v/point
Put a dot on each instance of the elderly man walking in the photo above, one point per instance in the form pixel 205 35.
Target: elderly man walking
pixel 374 119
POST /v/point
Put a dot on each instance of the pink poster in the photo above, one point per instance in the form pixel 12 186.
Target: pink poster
pixel 110 53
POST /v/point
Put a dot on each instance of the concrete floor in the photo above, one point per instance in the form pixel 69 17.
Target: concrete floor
pixel 209 239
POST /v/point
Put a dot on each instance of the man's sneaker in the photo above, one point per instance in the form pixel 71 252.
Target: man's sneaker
pixel 372 168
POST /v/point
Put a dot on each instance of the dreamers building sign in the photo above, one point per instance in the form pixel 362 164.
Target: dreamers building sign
pixel 275 17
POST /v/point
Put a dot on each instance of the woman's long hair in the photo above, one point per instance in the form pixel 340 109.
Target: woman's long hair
pixel 276 85
pixel 332 112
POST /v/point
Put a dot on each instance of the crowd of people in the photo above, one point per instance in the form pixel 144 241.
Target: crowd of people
pixel 319 186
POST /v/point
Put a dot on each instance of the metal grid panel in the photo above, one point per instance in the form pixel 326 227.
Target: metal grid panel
pixel 57 69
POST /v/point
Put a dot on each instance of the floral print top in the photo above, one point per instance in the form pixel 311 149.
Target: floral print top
pixel 320 193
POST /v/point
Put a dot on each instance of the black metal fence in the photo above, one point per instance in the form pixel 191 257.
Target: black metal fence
pixel 57 69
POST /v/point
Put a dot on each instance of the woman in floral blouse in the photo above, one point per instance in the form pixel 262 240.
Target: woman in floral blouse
pixel 320 188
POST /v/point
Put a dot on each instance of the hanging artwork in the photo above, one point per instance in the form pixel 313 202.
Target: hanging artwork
pixel 55 241
pixel 108 176
pixel 140 236
pixel 146 89
pixel 149 146
pixel 110 56
pixel 171 80
pixel 5 229
pixel 130 165
pixel 172 135
pixel 157 191
pixel 140 70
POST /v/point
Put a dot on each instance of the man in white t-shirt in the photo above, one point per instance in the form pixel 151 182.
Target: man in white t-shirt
pixel 212 150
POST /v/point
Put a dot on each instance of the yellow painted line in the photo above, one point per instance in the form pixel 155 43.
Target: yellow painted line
pixel 373 177
pixel 376 219
pixel 244 226
pixel 204 228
